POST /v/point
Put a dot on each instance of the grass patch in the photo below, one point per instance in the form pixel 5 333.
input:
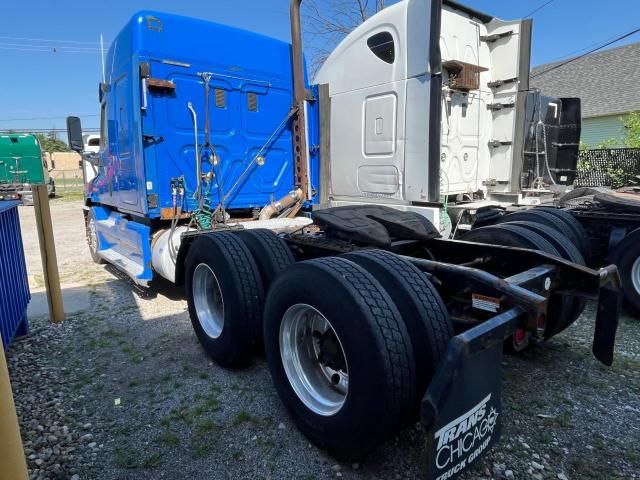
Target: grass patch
pixel 200 449
pixel 111 333
pixel 560 421
pixel 152 461
pixel 625 365
pixel 209 402
pixel 244 417
pixel 122 431
pixel 64 195
pixel 132 352
pixel 204 426
pixel 169 439
pixel 127 457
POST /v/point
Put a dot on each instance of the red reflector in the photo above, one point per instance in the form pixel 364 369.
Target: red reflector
pixel 541 324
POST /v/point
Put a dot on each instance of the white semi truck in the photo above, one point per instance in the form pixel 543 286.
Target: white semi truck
pixel 441 110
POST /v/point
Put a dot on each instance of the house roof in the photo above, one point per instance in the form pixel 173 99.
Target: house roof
pixel 607 82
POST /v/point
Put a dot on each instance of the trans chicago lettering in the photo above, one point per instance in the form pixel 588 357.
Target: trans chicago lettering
pixel 461 441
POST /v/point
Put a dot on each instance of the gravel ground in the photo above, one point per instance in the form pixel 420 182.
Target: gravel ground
pixel 123 391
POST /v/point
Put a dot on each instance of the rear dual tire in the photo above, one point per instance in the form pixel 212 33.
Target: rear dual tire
pixel 343 349
pixel 373 348
pixel 562 310
pixel 626 256
pixel 224 296
pixel 422 310
pixel 559 220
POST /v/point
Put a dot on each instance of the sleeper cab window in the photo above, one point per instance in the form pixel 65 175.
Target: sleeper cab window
pixel 382 45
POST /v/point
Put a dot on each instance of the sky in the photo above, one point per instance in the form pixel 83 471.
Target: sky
pixel 40 87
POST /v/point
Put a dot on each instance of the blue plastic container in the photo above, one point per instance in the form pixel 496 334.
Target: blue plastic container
pixel 14 283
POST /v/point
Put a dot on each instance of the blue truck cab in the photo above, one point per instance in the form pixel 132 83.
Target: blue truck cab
pixel 157 135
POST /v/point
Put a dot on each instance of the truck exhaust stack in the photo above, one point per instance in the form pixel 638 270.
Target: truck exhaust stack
pixel 301 153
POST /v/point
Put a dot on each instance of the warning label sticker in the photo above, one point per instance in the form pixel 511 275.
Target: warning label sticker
pixel 487 304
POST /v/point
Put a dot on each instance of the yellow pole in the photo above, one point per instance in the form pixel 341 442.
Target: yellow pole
pixel 14 466
pixel 48 253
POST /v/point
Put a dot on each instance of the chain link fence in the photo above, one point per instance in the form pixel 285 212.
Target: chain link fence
pixel 66 180
pixel 615 167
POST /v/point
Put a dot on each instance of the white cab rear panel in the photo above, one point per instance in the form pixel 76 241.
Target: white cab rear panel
pixel 383 106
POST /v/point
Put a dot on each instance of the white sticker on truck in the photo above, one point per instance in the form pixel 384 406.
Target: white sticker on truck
pixel 482 302
pixel 149 185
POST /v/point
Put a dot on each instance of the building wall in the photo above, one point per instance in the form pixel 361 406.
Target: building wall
pixel 596 130
pixel 66 160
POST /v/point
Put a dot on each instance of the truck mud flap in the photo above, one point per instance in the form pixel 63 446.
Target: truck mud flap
pixel 461 410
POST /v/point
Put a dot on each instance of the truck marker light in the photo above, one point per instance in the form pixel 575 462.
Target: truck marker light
pixel 519 336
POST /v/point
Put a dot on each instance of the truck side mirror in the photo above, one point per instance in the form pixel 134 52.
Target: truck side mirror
pixel 74 134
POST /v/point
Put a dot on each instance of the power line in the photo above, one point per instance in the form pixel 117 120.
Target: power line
pixel 49 49
pixel 586 47
pixel 44 118
pixel 560 65
pixel 539 8
pixel 63 47
pixel 44 130
pixel 48 40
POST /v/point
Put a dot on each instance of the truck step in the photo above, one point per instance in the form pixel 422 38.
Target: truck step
pixel 126 265
pixel 124 243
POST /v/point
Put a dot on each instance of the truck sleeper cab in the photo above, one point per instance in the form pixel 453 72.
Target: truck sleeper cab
pixel 181 120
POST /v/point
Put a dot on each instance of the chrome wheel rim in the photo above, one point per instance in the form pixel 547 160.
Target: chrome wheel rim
pixel 92 236
pixel 314 359
pixel 207 300
pixel 635 275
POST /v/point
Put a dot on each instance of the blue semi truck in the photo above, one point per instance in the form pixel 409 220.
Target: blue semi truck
pixel 310 218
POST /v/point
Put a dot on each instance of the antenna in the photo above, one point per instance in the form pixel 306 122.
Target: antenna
pixel 102 58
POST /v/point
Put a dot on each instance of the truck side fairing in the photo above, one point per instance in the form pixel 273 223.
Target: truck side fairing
pixel 154 71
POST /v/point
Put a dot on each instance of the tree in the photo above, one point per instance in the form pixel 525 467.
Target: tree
pixel 328 22
pixel 632 130
pixel 50 143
